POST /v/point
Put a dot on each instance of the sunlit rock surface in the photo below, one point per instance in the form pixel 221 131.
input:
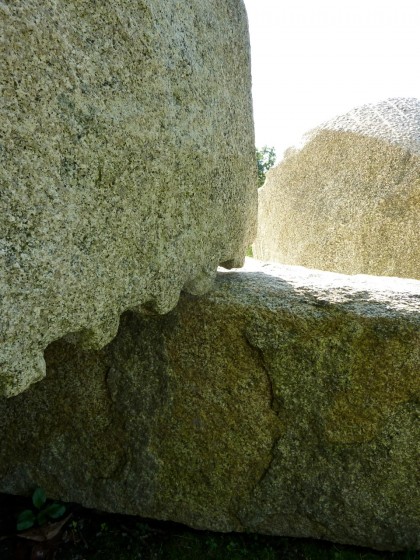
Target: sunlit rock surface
pixel 127 165
pixel 285 402
pixel 348 198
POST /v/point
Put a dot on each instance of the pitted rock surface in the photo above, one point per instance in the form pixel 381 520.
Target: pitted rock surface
pixel 348 198
pixel 127 165
pixel 283 402
pixel 395 120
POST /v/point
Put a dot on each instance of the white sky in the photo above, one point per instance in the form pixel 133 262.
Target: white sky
pixel 315 59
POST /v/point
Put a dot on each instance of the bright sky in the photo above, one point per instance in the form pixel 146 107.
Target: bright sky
pixel 315 59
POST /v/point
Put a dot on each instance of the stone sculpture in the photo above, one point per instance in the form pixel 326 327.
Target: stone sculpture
pixel 127 165
pixel 283 402
pixel 348 199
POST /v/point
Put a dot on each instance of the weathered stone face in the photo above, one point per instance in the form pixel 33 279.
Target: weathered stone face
pixel 348 200
pixel 283 402
pixel 127 165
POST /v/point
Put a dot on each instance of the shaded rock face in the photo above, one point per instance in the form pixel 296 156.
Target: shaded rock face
pixel 127 165
pixel 283 402
pixel 348 200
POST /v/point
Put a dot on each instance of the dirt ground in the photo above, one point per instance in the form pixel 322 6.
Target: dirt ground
pixel 82 534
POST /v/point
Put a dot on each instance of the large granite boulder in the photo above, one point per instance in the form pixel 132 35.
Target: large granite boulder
pixel 348 199
pixel 127 165
pixel 284 402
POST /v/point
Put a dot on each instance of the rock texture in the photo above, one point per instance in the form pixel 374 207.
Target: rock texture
pixel 348 200
pixel 285 402
pixel 127 165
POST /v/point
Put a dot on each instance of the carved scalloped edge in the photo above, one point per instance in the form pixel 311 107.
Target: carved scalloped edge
pixel 21 367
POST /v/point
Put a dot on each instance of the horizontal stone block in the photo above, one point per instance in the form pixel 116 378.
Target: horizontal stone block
pixel 284 402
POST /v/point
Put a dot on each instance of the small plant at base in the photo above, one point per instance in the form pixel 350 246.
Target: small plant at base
pixel 28 518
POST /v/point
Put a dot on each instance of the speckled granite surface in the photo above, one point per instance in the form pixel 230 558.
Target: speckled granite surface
pixel 127 165
pixel 285 401
pixel 348 198
pixel 395 120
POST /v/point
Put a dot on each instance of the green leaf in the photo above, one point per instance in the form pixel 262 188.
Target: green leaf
pixel 42 517
pixel 55 510
pixel 23 525
pixel 25 520
pixel 39 498
pixel 25 515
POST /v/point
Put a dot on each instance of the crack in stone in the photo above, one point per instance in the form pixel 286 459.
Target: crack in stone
pixel 274 406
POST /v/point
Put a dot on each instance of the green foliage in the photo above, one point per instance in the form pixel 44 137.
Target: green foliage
pixel 266 158
pixel 39 498
pixel 28 518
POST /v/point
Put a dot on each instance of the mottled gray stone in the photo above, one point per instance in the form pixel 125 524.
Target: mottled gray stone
pixel 284 402
pixel 348 198
pixel 127 164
